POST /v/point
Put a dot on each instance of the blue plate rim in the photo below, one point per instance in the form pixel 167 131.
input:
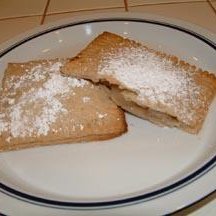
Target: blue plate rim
pixel 118 202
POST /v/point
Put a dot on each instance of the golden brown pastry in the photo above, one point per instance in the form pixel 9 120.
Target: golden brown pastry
pixel 41 107
pixel 150 84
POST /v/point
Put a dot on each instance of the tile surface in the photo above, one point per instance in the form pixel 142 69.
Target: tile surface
pixel 16 8
pixel 143 2
pixel 13 27
pixel 55 17
pixel 199 13
pixel 68 5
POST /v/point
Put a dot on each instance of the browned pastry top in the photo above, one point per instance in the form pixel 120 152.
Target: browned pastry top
pixel 159 81
pixel 39 105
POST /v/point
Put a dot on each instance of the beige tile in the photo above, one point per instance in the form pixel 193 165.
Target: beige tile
pixel 17 8
pixel 76 5
pixel 199 13
pixel 55 17
pixel 13 27
pixel 143 2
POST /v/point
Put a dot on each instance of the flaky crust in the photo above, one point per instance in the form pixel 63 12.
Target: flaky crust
pixel 97 118
pixel 189 105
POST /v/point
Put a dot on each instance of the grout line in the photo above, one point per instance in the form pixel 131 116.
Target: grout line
pixel 211 5
pixel 85 10
pixel 45 12
pixel 126 5
pixel 168 3
pixel 18 17
pixel 63 12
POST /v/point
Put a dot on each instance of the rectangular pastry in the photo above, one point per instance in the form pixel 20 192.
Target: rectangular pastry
pixel 147 83
pixel 39 106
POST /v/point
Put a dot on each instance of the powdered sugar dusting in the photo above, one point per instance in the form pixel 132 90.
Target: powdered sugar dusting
pixel 155 81
pixel 101 115
pixel 35 74
pixel 3 123
pixel 37 108
pixel 86 99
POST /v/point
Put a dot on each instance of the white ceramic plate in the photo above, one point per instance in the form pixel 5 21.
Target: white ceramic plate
pixel 142 168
